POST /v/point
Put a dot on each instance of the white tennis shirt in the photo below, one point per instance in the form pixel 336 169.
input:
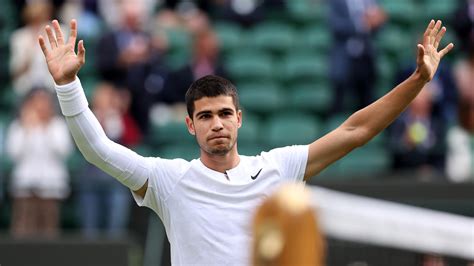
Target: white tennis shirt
pixel 207 214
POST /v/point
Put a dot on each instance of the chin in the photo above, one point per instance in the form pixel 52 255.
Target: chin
pixel 219 150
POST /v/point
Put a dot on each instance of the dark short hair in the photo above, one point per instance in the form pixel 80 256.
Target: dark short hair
pixel 210 86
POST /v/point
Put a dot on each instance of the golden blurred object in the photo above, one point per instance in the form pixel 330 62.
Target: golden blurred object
pixel 286 231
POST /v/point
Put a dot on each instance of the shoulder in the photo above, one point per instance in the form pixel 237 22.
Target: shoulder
pixel 282 155
pixel 290 161
pixel 286 151
pixel 174 168
pixel 166 174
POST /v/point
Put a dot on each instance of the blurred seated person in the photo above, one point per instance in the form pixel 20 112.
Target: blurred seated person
pixel 353 26
pixel 38 143
pixel 205 61
pixel 417 138
pixel 460 139
pixel 104 204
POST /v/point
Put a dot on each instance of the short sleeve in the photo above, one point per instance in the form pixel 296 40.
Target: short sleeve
pixel 291 161
pixel 165 175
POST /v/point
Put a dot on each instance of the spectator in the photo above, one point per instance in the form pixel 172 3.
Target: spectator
pixel 417 138
pixel 127 59
pixel 27 65
pixel 131 135
pixel 460 156
pixel 353 24
pixel 38 143
pixel 205 61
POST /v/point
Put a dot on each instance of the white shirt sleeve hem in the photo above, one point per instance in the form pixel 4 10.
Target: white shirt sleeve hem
pixel 72 98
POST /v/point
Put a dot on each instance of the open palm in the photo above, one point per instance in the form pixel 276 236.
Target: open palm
pixel 428 56
pixel 63 63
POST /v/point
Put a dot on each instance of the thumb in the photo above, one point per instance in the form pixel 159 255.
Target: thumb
pixel 81 54
pixel 420 54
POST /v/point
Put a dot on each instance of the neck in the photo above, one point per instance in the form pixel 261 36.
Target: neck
pixel 221 163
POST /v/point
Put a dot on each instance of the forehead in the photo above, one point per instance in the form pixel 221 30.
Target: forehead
pixel 213 104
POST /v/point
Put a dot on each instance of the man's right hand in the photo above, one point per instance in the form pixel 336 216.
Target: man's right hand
pixel 63 63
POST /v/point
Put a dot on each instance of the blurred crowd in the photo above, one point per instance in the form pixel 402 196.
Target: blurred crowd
pixel 143 54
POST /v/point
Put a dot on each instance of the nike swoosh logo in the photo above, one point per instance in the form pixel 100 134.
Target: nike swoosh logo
pixel 255 176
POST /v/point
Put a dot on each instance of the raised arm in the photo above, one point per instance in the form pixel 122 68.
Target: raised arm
pixel 125 165
pixel 363 125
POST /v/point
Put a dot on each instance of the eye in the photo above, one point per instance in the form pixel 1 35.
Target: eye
pixel 205 116
pixel 227 113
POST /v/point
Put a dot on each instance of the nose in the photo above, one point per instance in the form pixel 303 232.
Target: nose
pixel 217 124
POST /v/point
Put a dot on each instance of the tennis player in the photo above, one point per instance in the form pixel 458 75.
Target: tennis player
pixel 207 204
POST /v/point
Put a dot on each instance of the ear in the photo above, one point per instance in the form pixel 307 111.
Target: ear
pixel 190 125
pixel 239 118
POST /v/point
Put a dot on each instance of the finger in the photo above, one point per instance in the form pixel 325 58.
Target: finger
pixel 73 33
pixel 42 44
pixel 435 31
pixel 439 36
pixel 426 35
pixel 81 52
pixel 446 49
pixel 58 32
pixel 421 53
pixel 51 38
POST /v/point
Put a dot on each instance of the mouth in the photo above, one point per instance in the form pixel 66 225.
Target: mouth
pixel 217 137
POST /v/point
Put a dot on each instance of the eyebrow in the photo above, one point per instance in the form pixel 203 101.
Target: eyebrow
pixel 219 111
pixel 226 110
